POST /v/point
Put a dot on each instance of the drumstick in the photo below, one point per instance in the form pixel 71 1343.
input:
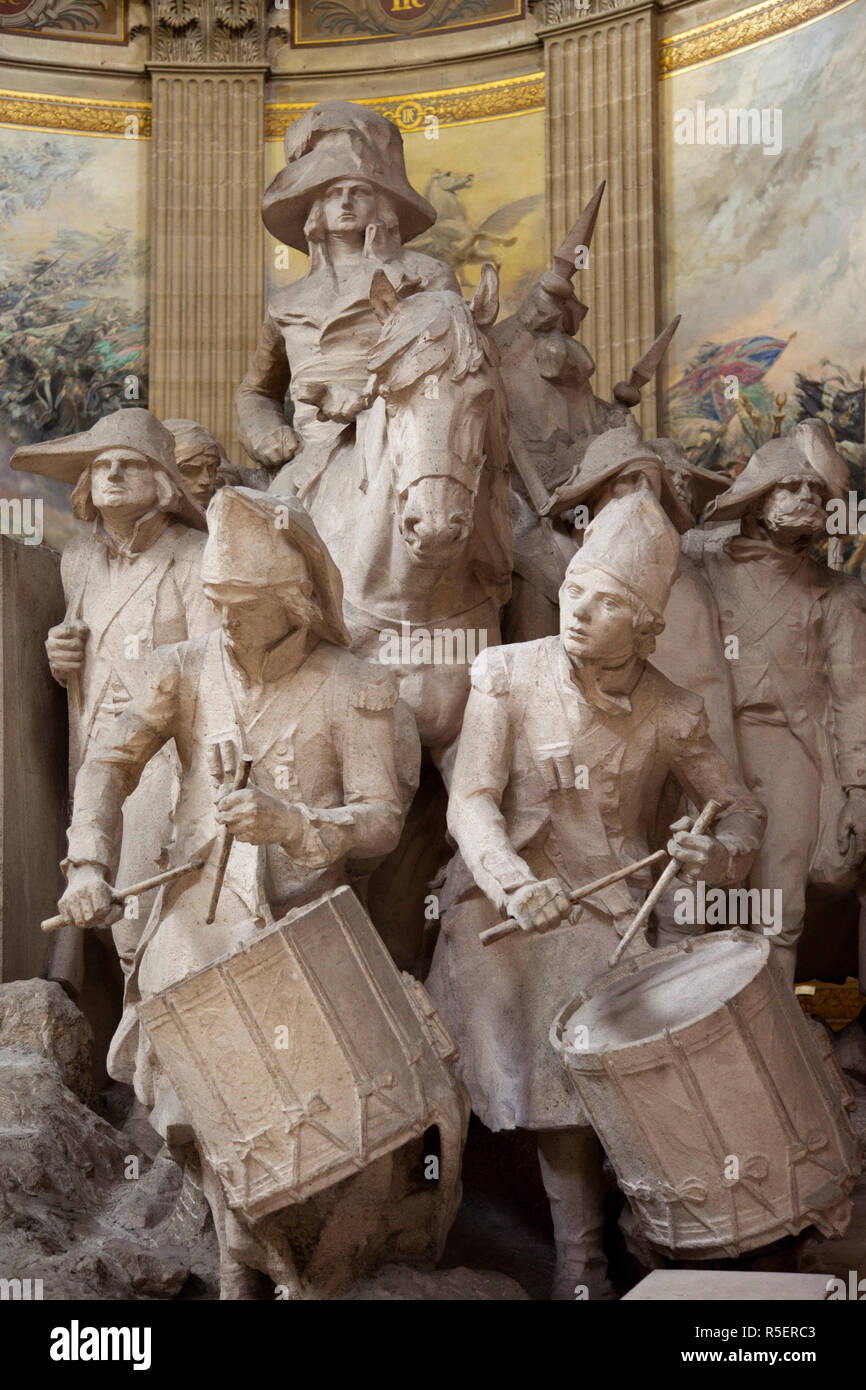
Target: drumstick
pixel 703 822
pixel 119 895
pixel 505 928
pixel 242 773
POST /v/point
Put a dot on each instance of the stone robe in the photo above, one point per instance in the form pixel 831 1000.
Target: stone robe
pixel 321 330
pixel 524 709
pixel 324 730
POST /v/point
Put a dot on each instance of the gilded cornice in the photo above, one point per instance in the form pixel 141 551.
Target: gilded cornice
pixel 81 115
pixel 746 28
pixel 483 101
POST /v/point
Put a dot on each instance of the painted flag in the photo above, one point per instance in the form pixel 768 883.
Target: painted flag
pixel 701 390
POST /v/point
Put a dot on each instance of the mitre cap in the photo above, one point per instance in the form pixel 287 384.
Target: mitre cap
pixel 340 140
pixel 769 466
pixel 131 428
pixel 253 540
pixel 705 484
pixel 633 541
pixel 606 457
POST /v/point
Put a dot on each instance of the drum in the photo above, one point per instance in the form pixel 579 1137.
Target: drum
pixel 304 1056
pixel 703 1081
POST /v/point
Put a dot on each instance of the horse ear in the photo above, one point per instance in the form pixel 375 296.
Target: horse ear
pixel 382 296
pixel 485 301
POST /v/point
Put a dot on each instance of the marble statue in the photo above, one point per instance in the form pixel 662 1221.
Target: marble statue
pixel 334 759
pixel 566 745
pixel 131 584
pixel 798 667
pixel 398 440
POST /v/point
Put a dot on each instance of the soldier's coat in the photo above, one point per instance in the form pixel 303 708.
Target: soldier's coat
pixel 324 730
pixel 510 827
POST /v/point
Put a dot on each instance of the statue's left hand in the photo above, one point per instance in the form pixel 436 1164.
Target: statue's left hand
pixel 852 823
pixel 256 817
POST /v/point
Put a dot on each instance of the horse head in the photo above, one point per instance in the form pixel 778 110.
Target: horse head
pixel 436 369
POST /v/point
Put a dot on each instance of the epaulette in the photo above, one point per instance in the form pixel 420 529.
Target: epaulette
pixel 490 672
pixel 377 694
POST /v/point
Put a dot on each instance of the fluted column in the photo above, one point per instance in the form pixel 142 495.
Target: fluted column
pixel 601 98
pixel 206 270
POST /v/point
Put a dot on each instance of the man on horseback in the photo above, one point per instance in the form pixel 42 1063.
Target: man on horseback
pixel 345 200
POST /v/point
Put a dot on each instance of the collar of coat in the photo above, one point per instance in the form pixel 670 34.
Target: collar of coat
pixel 146 531
pixel 279 661
pixel 606 688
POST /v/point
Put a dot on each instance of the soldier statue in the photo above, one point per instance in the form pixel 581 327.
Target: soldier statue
pixel 566 746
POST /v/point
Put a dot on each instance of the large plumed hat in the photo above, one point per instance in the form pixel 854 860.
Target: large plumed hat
pixel 769 466
pixel 253 541
pixel 339 140
pixel 133 428
pixel 633 541
pixel 610 454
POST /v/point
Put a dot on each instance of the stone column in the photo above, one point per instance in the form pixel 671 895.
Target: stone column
pixel 601 112
pixel 206 269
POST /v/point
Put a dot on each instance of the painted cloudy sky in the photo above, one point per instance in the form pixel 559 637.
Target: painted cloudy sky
pixel 758 244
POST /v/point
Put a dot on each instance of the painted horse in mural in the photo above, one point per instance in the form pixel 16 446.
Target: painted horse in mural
pixel 412 501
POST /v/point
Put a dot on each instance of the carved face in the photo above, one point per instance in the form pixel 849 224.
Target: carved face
pixel 349 205
pixel 596 617
pixel 199 469
pixel 123 483
pixel 252 619
pixel 795 507
pixel 682 485
pixel 643 473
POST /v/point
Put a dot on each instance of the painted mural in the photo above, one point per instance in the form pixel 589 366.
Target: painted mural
pixel 316 22
pixel 95 20
pixel 765 243
pixel 73 294
pixel 486 181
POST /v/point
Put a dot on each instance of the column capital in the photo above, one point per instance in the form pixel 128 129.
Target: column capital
pixel 557 16
pixel 190 33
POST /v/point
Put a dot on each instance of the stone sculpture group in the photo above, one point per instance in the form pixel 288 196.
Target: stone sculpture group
pixel 628 702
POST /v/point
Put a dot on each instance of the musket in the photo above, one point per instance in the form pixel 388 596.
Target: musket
pixel 120 895
pixel 628 392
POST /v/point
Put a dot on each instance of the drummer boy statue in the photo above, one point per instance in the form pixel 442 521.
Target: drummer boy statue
pixel 565 748
pixel 335 760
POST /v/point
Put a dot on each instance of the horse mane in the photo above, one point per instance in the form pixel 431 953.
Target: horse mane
pixel 431 333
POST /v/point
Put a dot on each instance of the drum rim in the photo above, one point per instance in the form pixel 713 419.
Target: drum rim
pixel 630 966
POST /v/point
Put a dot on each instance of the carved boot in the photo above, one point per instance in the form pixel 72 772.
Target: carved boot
pixel 571 1169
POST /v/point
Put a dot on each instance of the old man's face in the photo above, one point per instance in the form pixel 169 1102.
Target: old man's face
pixel 349 205
pixel 596 617
pixel 122 483
pixel 795 507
